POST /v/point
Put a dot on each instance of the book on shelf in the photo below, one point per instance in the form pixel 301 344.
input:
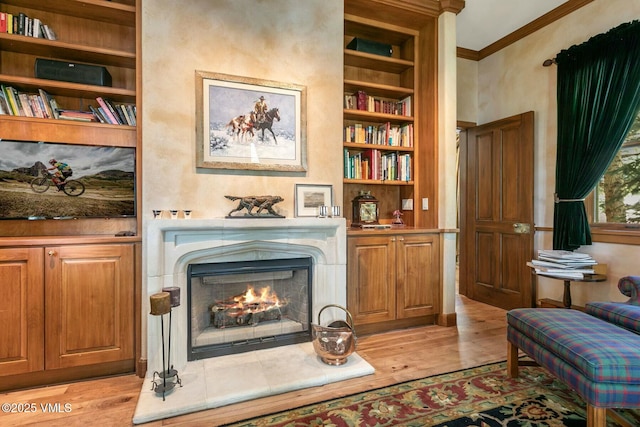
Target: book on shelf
pixel 12 99
pixel 383 134
pixel 3 22
pixel 375 165
pixel 376 104
pixel 46 103
pixel 24 25
pixel 109 114
pixel 84 116
pixel 4 105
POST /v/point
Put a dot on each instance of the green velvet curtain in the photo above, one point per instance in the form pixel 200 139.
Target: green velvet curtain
pixel 598 99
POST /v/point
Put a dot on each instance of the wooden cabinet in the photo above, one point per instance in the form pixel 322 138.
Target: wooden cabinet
pixel 66 306
pixel 393 279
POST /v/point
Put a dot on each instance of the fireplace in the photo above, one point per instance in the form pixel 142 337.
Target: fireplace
pixel 172 245
pixel 237 307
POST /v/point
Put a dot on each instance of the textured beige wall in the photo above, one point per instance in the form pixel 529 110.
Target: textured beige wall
pixel 513 81
pixel 467 84
pixel 280 40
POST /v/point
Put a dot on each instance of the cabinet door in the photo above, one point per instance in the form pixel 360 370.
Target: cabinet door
pixel 89 297
pixel 418 275
pixel 371 295
pixel 21 311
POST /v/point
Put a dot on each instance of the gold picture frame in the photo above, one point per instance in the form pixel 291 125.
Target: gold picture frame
pixel 233 132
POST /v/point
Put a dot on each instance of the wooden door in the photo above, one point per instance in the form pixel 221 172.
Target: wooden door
pixel 371 288
pixel 418 276
pixel 21 311
pixel 89 299
pixel 496 172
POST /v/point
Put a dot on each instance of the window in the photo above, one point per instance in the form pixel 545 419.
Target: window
pixel 616 199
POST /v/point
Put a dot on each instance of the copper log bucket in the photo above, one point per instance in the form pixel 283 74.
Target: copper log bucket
pixel 336 341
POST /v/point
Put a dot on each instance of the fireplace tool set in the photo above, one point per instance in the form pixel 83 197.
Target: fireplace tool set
pixel 161 304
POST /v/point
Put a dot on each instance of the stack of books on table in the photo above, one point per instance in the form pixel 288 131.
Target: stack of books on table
pixel 563 264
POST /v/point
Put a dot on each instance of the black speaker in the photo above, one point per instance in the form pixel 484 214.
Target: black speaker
pixel 72 72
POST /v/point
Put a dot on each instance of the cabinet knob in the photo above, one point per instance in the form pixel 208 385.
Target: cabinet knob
pixel 52 253
pixel 401 239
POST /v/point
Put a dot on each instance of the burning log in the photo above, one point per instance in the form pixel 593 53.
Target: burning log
pixel 246 309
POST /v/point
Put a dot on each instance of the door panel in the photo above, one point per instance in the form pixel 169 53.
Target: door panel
pixel 496 172
pixel 89 295
pixel 21 311
pixel 371 293
pixel 418 275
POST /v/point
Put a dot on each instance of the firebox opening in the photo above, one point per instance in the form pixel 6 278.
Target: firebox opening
pixel 243 306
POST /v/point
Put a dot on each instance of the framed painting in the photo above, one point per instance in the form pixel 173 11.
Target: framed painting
pixel 309 197
pixel 252 124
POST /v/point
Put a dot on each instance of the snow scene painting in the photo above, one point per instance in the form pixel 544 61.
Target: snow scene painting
pixel 250 124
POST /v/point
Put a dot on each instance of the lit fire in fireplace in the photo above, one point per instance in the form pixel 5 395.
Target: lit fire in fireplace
pixel 247 309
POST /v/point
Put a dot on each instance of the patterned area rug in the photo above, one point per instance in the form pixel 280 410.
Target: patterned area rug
pixel 482 396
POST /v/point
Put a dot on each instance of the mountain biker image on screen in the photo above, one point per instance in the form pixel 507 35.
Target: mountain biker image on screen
pixel 62 171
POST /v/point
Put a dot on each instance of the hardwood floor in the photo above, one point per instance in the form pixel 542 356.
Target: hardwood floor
pixel 397 356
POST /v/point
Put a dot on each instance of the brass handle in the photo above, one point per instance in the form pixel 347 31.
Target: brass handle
pixel 522 228
pixel 393 239
pixel 52 253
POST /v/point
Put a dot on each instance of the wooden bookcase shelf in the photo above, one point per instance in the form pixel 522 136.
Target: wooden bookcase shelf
pixel 391 78
pixel 56 257
pixel 123 12
pixel 377 147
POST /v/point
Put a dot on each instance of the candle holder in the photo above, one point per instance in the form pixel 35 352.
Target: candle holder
pixel 161 304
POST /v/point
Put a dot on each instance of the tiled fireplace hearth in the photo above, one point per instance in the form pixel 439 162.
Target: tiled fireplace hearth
pixel 173 245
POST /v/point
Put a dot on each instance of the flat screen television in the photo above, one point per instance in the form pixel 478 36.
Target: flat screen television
pixel 101 184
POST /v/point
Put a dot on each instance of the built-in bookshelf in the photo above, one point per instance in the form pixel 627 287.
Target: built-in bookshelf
pixel 379 130
pixel 89 32
pixel 100 33
pixel 54 255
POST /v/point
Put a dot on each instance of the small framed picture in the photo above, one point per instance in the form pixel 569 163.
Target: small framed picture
pixel 309 197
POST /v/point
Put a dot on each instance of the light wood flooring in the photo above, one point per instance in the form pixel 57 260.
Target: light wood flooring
pixel 397 356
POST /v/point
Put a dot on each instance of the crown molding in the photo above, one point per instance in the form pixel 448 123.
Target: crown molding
pixel 464 53
pixel 533 26
pixel 454 6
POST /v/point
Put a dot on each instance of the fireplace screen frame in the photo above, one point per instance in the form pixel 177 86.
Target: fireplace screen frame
pixel 241 267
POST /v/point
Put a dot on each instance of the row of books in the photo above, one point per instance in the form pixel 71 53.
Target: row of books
pixel 377 165
pixel 43 105
pixel 23 25
pixel 384 134
pixel 563 264
pixel 361 101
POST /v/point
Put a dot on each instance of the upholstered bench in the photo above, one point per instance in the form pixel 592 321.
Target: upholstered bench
pixel 597 359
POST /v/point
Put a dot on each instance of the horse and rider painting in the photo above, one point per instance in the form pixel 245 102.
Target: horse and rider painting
pixel 261 119
pixel 250 124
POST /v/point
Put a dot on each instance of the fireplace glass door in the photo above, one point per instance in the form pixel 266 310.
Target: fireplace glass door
pixel 248 305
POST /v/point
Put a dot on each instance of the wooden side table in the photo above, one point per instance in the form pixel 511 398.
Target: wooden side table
pixel 566 296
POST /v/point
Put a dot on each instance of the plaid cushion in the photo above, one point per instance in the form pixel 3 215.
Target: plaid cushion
pixel 618 313
pixel 600 351
pixel 629 285
pixel 602 395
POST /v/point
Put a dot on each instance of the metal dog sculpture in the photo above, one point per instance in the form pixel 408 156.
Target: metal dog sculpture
pixel 250 203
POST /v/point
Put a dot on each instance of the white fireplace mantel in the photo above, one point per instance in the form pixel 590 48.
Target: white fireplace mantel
pixel 172 244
